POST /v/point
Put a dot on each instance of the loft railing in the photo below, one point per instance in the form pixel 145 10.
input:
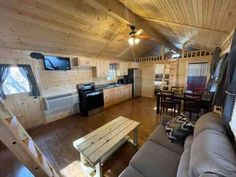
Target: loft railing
pixel 187 54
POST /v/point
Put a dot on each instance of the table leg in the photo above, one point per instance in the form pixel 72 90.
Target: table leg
pixel 135 136
pixel 158 104
pixel 98 170
pixel 82 159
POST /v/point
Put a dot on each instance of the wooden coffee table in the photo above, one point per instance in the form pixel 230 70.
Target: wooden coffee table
pixel 98 145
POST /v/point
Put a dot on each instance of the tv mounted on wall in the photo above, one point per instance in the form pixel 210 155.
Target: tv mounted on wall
pixel 56 63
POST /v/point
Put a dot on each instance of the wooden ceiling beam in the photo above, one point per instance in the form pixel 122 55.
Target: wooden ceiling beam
pixel 122 12
pixel 184 25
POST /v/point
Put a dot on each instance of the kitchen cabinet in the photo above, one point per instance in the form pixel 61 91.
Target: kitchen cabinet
pixel 122 69
pixel 83 61
pixel 133 65
pixel 116 95
pixel 101 69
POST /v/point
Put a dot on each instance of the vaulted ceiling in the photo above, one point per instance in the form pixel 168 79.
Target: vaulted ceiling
pixel 98 28
pixel 200 23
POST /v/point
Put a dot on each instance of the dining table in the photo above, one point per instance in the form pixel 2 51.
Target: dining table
pixel 205 102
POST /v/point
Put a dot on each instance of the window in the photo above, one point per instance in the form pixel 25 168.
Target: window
pixel 197 77
pixel 16 81
pixel 112 72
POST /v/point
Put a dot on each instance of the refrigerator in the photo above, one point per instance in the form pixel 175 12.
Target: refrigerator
pixel 134 76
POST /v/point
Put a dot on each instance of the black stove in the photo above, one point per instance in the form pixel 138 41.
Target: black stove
pixel 91 99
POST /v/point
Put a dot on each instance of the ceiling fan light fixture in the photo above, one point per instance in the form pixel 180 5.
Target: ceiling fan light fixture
pixel 133 40
pixel 136 40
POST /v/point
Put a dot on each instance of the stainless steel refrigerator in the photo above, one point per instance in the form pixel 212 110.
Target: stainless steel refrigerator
pixel 134 76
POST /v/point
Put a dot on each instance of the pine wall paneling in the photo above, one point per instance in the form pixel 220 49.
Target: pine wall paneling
pixel 30 110
pixel 226 44
pixel 179 78
pixel 148 76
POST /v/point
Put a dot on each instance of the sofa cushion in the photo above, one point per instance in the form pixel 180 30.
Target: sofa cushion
pixel 178 128
pixel 209 120
pixel 212 152
pixel 130 172
pixel 159 136
pixel 210 175
pixel 188 142
pixel 155 160
pixel 184 164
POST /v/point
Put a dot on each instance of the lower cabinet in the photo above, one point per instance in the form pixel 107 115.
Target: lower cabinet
pixel 116 95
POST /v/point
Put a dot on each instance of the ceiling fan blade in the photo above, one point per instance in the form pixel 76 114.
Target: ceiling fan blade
pixel 144 36
pixel 139 32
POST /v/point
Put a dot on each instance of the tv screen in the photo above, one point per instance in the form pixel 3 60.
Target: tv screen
pixel 56 63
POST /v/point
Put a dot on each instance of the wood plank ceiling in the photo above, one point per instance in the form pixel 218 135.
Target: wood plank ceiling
pixel 69 27
pixel 199 23
pixel 84 27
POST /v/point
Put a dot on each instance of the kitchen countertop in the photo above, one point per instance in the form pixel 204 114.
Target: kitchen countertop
pixel 108 86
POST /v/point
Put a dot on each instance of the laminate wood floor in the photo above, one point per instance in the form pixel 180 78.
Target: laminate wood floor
pixel 55 140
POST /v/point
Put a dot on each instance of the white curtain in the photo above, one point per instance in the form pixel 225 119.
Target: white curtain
pixel 198 69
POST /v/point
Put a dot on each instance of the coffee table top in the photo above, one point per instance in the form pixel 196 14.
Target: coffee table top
pixel 96 144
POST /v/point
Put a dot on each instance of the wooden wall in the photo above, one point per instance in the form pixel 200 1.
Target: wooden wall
pixel 63 82
pixel 30 110
pixel 182 72
pixel 148 76
pixel 226 44
pixel 148 72
pixel 27 109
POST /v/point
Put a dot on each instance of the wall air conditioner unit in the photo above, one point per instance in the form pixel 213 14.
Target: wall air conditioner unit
pixel 61 106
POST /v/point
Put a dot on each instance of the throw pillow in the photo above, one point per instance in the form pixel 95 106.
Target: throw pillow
pixel 178 128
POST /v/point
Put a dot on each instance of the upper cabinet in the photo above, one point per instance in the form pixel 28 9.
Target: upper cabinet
pixel 122 69
pixel 101 69
pixel 133 65
pixel 83 61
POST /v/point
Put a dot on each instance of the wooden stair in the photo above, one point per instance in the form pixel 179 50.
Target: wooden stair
pixel 14 136
pixel 163 85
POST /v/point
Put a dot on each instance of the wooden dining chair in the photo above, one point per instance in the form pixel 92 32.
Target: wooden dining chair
pixel 177 90
pixel 167 101
pixel 192 104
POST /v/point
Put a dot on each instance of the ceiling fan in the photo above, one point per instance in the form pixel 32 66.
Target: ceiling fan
pixel 136 35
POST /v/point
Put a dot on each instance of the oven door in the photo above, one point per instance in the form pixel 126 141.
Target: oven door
pixel 95 100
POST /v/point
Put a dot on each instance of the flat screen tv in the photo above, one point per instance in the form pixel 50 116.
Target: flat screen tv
pixel 56 63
